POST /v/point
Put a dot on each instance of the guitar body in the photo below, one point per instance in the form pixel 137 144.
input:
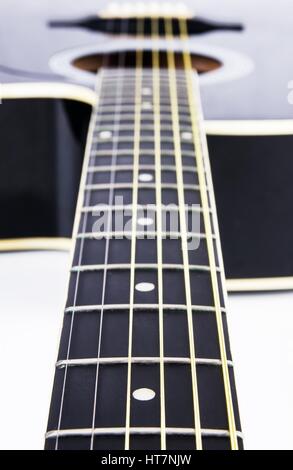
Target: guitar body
pixel 47 75
pixel 47 102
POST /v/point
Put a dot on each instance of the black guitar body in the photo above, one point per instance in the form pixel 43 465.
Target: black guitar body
pixel 250 135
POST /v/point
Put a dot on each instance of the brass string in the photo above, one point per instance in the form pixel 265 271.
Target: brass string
pixel 194 105
pixel 183 229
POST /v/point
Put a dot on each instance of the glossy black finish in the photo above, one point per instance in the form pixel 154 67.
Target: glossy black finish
pixel 254 193
pixel 195 26
pixel 42 146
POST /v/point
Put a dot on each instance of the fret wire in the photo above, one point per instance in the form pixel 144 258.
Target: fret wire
pixel 147 113
pixel 80 202
pixel 131 106
pixel 136 153
pixel 94 308
pixel 128 139
pixel 119 207
pixel 105 168
pixel 128 91
pixel 130 95
pixel 145 127
pixel 109 107
pixel 157 136
pixel 178 156
pixel 150 152
pixel 137 360
pixel 127 73
pixel 129 117
pixel 195 118
pixel 163 93
pixel 105 186
pixel 164 96
pixel 127 234
pixel 146 266
pixel 147 75
pixel 139 431
pixel 147 80
pixel 128 103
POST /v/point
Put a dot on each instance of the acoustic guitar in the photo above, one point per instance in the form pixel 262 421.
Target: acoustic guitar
pixel 102 133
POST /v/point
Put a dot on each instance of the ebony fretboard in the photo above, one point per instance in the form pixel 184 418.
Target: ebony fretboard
pixel 144 359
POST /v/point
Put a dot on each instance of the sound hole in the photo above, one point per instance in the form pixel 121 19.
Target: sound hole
pixel 93 62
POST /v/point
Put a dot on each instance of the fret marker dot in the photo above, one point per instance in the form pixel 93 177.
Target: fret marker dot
pixel 146 105
pixel 145 221
pixel 186 136
pixel 145 287
pixel 146 91
pixel 144 394
pixel 105 135
pixel 145 177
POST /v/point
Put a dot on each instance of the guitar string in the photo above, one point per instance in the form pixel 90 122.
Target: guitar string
pixel 195 119
pixel 83 199
pixel 179 172
pixel 136 152
pixel 157 151
pixel 116 130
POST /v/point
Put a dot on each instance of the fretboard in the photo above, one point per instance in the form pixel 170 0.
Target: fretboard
pixel 144 359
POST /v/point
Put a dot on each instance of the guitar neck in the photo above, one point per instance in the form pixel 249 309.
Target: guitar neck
pixel 144 359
